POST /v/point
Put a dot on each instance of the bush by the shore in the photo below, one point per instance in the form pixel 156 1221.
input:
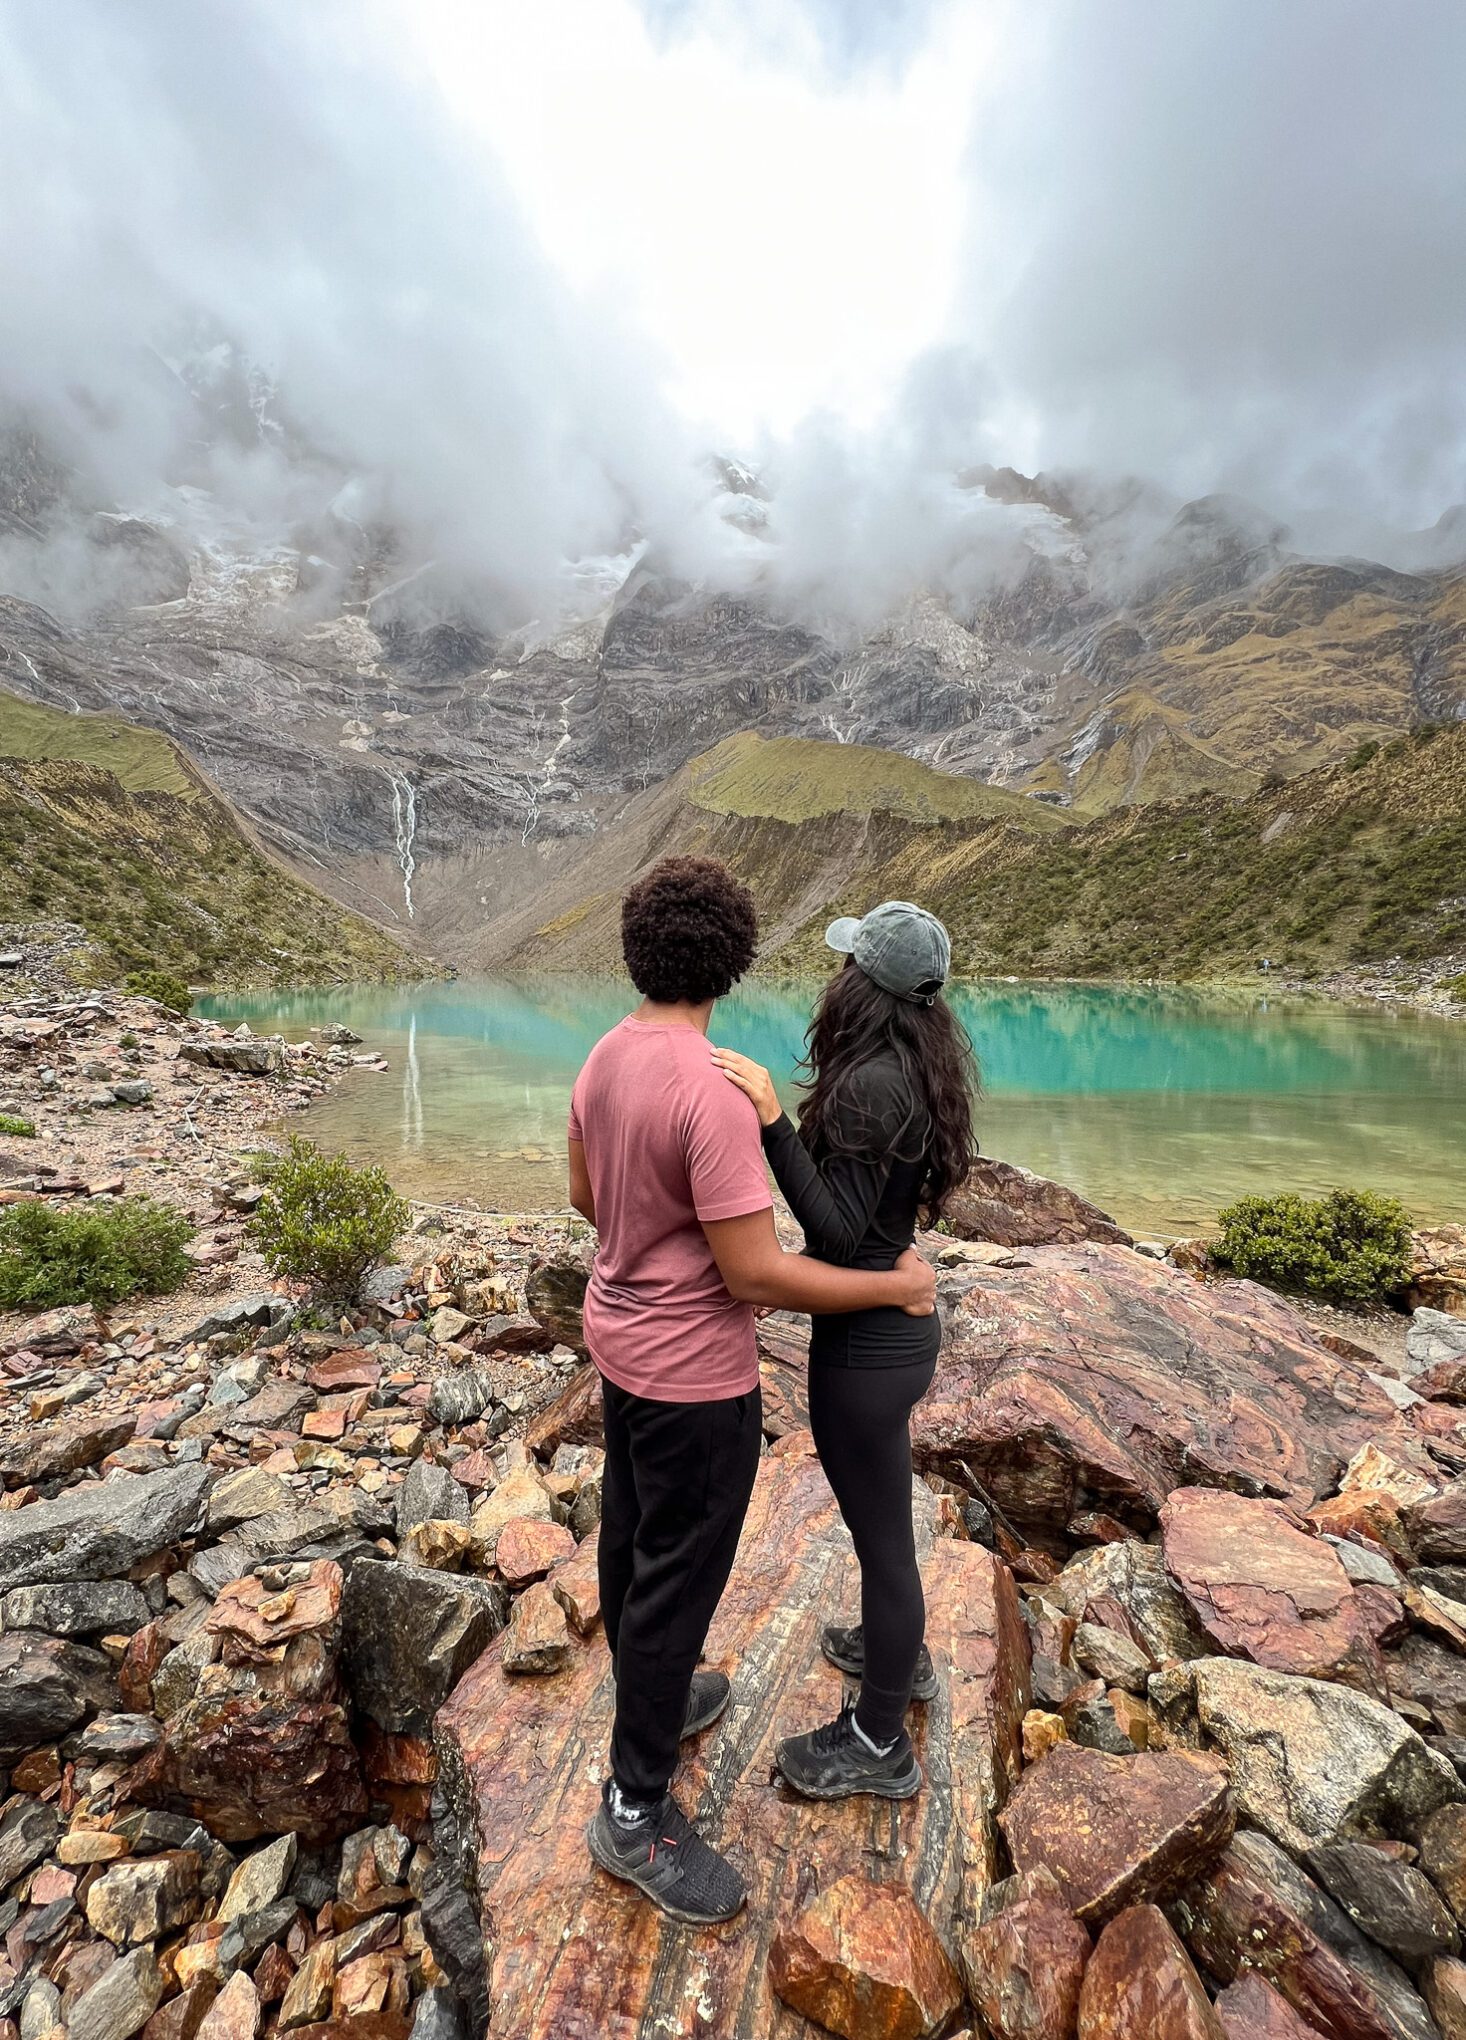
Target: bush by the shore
pixel 162 985
pixel 98 1253
pixel 324 1222
pixel 1351 1246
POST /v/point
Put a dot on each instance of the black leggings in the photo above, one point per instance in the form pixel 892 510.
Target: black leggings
pixel 860 1419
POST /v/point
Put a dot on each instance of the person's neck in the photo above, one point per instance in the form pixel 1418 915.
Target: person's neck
pixel 680 1013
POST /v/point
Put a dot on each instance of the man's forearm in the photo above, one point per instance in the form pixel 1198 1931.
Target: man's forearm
pixel 796 1282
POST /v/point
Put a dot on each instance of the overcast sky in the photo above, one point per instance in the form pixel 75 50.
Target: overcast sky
pixel 524 263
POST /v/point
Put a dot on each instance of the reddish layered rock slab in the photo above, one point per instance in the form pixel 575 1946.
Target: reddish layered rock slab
pixel 1266 1590
pixel 1252 2010
pixel 1093 1378
pixel 1141 1985
pixel 862 1960
pixel 570 1954
pixel 1024 1966
pixel 1115 1830
pixel 1012 1207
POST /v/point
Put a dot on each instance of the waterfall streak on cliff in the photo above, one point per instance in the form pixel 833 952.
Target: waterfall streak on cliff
pixel 404 826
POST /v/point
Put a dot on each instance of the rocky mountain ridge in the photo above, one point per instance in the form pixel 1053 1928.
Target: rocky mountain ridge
pixel 434 774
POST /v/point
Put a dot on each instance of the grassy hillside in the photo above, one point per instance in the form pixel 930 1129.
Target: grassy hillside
pixel 110 826
pixel 1345 864
pixel 1351 862
pixel 797 779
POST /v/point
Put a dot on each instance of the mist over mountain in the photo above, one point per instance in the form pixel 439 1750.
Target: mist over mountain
pixel 262 283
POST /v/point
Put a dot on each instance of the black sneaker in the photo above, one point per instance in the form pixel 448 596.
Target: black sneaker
pixel 706 1699
pixel 669 1862
pixel 846 1648
pixel 833 1762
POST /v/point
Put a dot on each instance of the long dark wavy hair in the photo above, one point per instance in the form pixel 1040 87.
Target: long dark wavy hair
pixel 856 1021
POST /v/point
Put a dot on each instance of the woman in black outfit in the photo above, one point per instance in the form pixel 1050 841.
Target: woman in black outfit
pixel 885 1134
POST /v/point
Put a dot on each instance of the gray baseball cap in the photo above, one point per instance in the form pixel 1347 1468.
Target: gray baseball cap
pixel 903 948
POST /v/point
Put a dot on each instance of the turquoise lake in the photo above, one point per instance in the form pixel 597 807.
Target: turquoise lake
pixel 1160 1104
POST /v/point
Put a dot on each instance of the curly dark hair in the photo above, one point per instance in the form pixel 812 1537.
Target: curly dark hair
pixel 856 1021
pixel 688 930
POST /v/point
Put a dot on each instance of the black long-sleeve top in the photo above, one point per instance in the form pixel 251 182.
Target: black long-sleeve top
pixel 858 1203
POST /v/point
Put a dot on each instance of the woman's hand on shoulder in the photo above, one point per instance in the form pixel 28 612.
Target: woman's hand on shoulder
pixel 753 1080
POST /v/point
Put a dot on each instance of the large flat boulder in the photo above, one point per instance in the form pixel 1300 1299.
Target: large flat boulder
pixel 101 1529
pixel 568 1951
pixel 1093 1378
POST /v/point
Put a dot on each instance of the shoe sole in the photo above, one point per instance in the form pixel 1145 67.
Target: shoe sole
pixel 882 1788
pixel 924 1689
pixel 690 1728
pixel 624 1876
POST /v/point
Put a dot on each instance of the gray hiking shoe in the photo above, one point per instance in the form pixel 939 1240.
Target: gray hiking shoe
pixel 833 1762
pixel 663 1855
pixel 846 1648
pixel 706 1699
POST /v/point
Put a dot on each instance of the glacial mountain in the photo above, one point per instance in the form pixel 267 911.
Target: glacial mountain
pixel 440 776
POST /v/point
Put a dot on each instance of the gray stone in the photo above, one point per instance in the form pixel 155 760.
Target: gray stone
pixel 410 1634
pixel 76 1608
pixel 136 1901
pixel 1394 1903
pixel 260 1879
pixel 103 1529
pixel 1310 1761
pixel 448 1325
pixel 1133 1577
pixel 40 2015
pixel 120 1735
pixel 47 1685
pixel 132 1091
pixel 436 2018
pixel 460 1398
pixel 275 1407
pixel 28 1831
pixel 121 2002
pixel 1367 1565
pixel 246 1496
pixel 430 1494
pixel 239 1058
pixel 1106 1654
pixel 1433 1336
pixel 1449 1580
pixel 260 1308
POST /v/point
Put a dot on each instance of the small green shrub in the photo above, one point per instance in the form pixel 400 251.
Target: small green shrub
pixel 1352 1245
pixel 1455 988
pixel 1360 756
pixel 324 1222
pixel 12 1123
pixel 161 985
pixel 94 1253
pixel 127 1040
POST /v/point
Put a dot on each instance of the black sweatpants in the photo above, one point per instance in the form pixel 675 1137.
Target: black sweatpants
pixel 860 1417
pixel 677 1481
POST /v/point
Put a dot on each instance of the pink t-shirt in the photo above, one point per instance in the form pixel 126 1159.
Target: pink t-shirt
pixel 669 1142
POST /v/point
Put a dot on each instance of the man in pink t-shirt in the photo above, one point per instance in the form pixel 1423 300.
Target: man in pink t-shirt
pixel 666 1161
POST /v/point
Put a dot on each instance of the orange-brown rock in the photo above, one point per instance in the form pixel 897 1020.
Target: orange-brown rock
pixel 538 1638
pixel 1118 1830
pixel 1024 1965
pixel 576 1586
pixel 1252 2010
pixel 570 1952
pixel 1444 1985
pixel 573 1418
pixel 1096 1373
pixel 1141 1985
pixel 1265 1589
pixel 1437 1527
pixel 527 1550
pixel 1437 1278
pixel 862 1961
pixel 257 1764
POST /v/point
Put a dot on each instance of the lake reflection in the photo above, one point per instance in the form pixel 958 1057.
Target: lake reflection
pixel 1161 1104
